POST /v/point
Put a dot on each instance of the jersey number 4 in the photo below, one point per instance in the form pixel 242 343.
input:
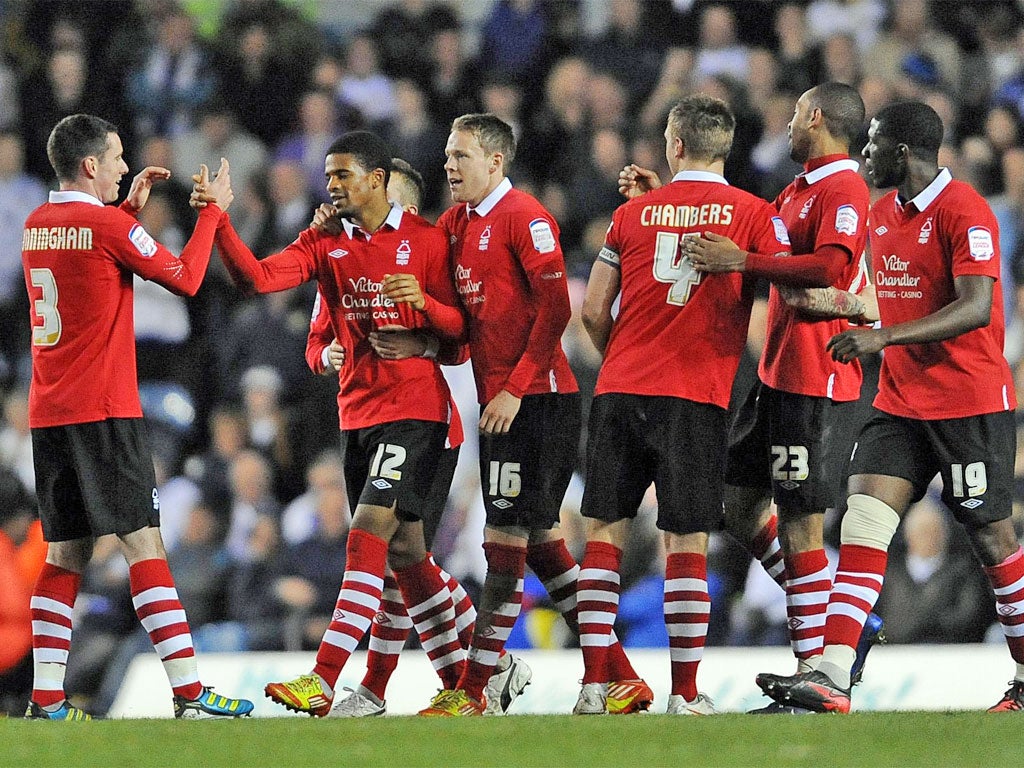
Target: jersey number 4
pixel 671 266
pixel 48 333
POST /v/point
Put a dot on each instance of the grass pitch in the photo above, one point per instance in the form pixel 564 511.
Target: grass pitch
pixel 645 741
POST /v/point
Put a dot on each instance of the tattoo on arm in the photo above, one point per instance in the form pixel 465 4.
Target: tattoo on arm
pixel 823 302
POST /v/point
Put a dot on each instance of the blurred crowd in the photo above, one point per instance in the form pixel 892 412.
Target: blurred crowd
pixel 253 505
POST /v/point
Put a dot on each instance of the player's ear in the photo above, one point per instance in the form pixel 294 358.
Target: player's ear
pixel 89 165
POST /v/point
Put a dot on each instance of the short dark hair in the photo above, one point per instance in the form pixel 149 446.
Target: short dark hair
pixel 913 123
pixel 369 150
pixel 842 109
pixel 493 133
pixel 705 124
pixel 415 186
pixel 75 138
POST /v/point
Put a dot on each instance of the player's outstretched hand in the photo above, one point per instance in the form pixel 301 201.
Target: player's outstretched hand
pixel 138 193
pixel 714 253
pixel 325 219
pixel 498 415
pixel 200 197
pixel 635 181
pixel 220 187
pixel 396 342
pixel 404 289
pixel 857 342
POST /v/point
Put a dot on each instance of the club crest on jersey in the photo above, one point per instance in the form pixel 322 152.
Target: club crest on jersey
pixel 847 220
pixel 337 253
pixel 926 232
pixel 543 237
pixel 979 241
pixel 142 240
pixel 403 253
pixel 485 238
pixel 806 210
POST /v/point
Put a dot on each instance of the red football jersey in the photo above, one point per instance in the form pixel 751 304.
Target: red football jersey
pixel 917 250
pixel 679 332
pixel 510 275
pixel 321 334
pixel 79 256
pixel 827 205
pixel 350 268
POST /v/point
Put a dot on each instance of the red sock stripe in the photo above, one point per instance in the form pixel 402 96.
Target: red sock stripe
pixel 807 596
pixel 858 581
pixel 430 606
pixel 597 606
pixel 765 547
pixel 52 627
pixel 1007 580
pixel 687 610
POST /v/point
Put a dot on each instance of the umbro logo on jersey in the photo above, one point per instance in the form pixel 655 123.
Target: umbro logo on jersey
pixel 971 503
pixel 501 503
pixel 337 253
pixel 881 231
pixel 380 484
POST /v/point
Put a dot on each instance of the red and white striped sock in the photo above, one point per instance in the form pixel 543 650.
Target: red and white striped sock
pixel 807 595
pixel 555 566
pixel 52 605
pixel 766 548
pixel 429 603
pixel 597 597
pixel 358 601
pixel 465 611
pixel 388 633
pixel 687 609
pixel 157 605
pixel 500 603
pixel 1007 580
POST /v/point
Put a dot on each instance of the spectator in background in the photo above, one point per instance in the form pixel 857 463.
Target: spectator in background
pixel 513 40
pixel 452 79
pixel 251 477
pixel 216 134
pixel 174 81
pixel 910 29
pixel 415 135
pixel 629 49
pixel 201 566
pixel 933 593
pixel 859 18
pixel 719 51
pixel 299 519
pixel 555 140
pixel 317 127
pixel 291 200
pixel 272 431
pixel 16 514
pixel 209 469
pixel 840 61
pixel 404 32
pixel 15 438
pixel 364 86
pixel 798 56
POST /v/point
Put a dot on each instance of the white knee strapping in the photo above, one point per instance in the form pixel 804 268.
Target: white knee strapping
pixel 868 522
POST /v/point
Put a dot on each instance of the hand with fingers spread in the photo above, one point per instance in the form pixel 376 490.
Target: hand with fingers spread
pixel 714 253
pixel 635 181
pixel 404 289
pixel 325 219
pixel 396 342
pixel 138 193
pixel 498 415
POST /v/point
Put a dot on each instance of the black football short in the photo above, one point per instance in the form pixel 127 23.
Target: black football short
pixel 973 455
pixel 94 479
pixel 524 473
pixel 782 442
pixel 393 465
pixel 437 499
pixel 679 445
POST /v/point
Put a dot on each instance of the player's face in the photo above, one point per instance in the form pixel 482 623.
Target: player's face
pixel 884 161
pixel 469 168
pixel 351 186
pixel 799 138
pixel 109 168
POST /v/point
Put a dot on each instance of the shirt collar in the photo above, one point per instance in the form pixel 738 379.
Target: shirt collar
pixel 74 196
pixel 487 204
pixel 393 220
pixel 927 196
pixel 714 178
pixel 816 175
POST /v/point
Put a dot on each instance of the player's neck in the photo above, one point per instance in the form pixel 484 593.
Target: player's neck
pixel 919 175
pixel 83 186
pixel 693 164
pixel 372 217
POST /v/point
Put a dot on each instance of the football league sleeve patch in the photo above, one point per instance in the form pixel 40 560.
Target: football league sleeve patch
pixel 847 220
pixel 543 236
pixel 979 243
pixel 142 240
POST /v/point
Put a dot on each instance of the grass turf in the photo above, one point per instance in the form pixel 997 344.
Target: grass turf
pixel 959 739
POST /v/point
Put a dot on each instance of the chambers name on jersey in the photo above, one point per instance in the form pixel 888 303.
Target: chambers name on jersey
pixel 680 332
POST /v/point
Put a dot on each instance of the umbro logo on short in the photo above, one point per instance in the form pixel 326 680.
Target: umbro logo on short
pixel 501 503
pixel 380 484
pixel 971 503
pixel 789 485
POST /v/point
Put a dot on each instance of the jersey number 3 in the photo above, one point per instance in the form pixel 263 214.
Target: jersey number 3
pixel 670 266
pixel 46 334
